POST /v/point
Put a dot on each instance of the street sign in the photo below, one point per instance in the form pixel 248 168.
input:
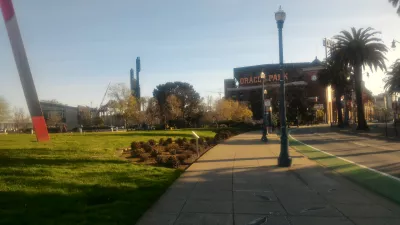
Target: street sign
pixel 267 102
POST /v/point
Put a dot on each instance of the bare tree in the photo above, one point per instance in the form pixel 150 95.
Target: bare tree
pixel 84 116
pixel 173 107
pixel 20 118
pixel 143 103
pixel 152 111
pixel 54 119
pixel 123 103
pixel 4 109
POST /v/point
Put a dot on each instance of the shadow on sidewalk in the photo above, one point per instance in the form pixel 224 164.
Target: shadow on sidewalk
pixel 245 194
pixel 243 159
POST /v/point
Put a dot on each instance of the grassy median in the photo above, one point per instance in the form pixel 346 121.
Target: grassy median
pixel 374 181
pixel 78 179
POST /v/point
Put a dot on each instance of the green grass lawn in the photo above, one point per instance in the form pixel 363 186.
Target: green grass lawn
pixel 374 181
pixel 78 179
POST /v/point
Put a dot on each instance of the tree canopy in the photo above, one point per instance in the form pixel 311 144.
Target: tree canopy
pixel 358 49
pixel 392 81
pixel 396 4
pixel 189 99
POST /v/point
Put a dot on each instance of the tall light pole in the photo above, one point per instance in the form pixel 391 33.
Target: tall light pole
pixel 284 160
pixel 264 137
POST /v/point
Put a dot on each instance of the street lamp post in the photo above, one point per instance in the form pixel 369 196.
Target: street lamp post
pixel 264 137
pixel 284 160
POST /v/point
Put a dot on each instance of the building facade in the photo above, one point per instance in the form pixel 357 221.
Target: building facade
pixel 304 95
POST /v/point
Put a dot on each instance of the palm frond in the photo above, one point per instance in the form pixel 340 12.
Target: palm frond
pixel 396 4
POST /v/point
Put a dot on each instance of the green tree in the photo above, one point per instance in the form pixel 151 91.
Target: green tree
pixel 360 48
pixel 392 81
pixel 396 4
pixel 190 100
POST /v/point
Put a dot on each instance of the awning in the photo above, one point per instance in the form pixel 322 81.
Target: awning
pixel 276 85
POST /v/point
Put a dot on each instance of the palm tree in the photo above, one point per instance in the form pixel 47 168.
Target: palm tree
pixel 336 75
pixel 396 4
pixel 360 48
pixel 392 81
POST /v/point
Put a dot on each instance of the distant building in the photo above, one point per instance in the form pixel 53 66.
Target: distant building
pixel 303 91
pixel 135 82
pixel 71 116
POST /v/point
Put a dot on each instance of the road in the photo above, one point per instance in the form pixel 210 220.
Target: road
pixel 381 155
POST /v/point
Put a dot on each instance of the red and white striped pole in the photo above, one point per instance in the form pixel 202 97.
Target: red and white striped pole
pixel 25 75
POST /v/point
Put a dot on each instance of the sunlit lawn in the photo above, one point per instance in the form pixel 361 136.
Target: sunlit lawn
pixel 78 179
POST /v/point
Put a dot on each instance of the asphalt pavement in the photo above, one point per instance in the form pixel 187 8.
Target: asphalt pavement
pixel 376 153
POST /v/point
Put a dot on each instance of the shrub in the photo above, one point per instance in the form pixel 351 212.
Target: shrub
pixel 173 162
pixel 192 148
pixel 161 141
pixel 183 157
pixel 151 142
pixel 201 141
pixel 169 140
pixel 141 144
pixel 184 140
pixel 210 141
pixel 223 126
pixel 137 152
pixel 172 148
pixel 186 146
pixel 143 157
pixel 161 160
pixel 135 145
pixel 179 141
pixel 172 151
pixel 147 147
pixel 192 141
pixel 154 153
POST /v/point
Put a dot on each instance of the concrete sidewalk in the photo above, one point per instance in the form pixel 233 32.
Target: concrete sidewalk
pixel 238 183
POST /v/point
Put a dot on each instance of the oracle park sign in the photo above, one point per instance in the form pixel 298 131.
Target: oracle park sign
pixel 250 79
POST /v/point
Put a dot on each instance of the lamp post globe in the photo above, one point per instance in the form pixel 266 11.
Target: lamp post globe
pixel 284 160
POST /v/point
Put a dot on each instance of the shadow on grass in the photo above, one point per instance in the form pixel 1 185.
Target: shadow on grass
pixel 83 204
pixel 76 190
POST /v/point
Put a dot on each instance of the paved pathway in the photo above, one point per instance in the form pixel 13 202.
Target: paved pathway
pixel 238 183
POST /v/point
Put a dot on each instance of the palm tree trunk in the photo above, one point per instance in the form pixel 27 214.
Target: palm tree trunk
pixel 346 110
pixel 362 123
pixel 338 95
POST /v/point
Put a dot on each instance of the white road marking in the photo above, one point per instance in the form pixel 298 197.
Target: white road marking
pixel 362 166
pixel 360 144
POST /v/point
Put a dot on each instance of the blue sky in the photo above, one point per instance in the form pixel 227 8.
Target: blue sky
pixel 76 47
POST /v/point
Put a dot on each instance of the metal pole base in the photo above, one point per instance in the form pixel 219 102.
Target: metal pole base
pixel 284 161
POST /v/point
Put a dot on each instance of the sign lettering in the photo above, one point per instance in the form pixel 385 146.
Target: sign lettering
pixel 258 80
